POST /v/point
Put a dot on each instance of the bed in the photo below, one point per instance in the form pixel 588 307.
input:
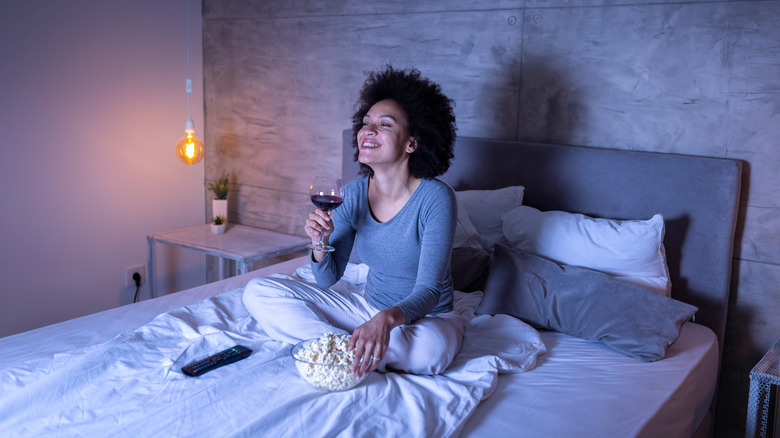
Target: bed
pixel 601 352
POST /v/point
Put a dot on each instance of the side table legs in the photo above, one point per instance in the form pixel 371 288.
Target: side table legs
pixel 150 268
pixel 764 380
pixel 758 408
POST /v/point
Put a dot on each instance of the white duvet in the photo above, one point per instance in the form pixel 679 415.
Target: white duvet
pixel 133 386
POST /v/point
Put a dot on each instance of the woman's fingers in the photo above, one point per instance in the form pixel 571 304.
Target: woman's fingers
pixel 360 350
pixel 318 222
pixel 366 364
pixel 369 342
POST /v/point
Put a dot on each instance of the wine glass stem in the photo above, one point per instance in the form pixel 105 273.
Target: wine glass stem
pixel 321 244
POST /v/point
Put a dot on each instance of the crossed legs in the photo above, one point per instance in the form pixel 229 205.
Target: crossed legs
pixel 291 311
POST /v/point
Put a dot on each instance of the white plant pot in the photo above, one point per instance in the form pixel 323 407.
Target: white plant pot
pixel 218 229
pixel 219 207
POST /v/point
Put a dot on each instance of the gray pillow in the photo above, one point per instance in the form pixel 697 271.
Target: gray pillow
pixel 583 303
pixel 469 266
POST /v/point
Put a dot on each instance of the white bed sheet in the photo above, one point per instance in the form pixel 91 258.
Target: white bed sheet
pixel 582 388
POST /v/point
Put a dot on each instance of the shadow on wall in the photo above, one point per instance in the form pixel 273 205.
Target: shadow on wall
pixel 550 108
pixel 532 102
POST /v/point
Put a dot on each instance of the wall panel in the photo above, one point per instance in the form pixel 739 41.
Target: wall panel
pixel 638 77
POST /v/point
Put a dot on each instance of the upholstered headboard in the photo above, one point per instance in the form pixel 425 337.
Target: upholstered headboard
pixel 697 196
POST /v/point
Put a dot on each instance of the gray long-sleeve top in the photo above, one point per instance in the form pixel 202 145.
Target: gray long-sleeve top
pixel 408 256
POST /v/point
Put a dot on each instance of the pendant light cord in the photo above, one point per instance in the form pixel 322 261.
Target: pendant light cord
pixel 189 79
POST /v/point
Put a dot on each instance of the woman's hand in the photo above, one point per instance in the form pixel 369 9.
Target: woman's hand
pixel 319 221
pixel 371 339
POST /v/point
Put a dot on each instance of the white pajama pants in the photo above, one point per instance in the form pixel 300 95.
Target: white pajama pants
pixel 291 311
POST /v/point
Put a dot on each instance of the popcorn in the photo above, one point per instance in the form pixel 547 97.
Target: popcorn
pixel 326 362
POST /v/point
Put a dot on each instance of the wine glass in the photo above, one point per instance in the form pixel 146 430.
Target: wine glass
pixel 326 193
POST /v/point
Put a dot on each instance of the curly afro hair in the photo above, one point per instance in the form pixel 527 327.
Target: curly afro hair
pixel 429 118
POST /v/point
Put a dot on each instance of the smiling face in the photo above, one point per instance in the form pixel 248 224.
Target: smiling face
pixel 384 141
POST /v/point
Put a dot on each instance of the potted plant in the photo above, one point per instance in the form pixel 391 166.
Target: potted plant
pixel 218 225
pixel 220 187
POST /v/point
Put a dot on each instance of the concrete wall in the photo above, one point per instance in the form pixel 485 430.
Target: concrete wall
pixel 92 102
pixel 692 77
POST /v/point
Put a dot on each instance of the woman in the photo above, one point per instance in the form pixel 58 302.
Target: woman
pixel 401 221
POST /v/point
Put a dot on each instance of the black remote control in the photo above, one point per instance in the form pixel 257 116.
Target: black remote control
pixel 217 360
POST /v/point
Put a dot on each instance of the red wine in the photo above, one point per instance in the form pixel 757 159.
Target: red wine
pixel 326 202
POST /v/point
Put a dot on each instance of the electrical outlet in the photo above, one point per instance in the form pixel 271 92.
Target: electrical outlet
pixel 141 269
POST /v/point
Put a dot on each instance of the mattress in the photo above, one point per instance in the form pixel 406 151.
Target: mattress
pixel 582 388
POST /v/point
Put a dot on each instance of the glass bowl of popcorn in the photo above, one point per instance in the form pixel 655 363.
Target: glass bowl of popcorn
pixel 325 362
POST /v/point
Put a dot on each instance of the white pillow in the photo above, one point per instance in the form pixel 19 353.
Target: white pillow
pixel 485 208
pixel 630 249
pixel 466 236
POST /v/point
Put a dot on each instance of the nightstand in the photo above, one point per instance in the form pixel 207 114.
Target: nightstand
pixel 764 381
pixel 243 244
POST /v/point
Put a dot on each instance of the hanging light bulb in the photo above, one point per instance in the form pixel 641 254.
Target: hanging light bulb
pixel 189 148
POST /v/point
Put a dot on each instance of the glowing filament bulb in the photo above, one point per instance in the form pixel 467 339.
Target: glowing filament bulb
pixel 189 148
